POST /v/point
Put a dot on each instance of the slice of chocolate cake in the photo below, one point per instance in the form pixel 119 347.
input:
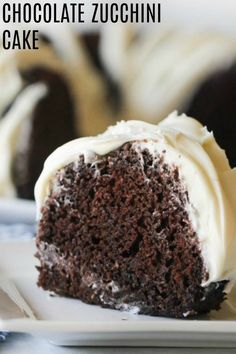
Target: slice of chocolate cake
pixel 140 218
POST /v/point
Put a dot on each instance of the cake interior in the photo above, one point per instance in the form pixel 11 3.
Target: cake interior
pixel 117 233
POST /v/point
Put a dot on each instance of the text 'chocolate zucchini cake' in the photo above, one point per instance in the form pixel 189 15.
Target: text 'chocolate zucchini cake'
pixel 139 218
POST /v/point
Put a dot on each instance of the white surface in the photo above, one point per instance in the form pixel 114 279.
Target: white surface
pixel 70 322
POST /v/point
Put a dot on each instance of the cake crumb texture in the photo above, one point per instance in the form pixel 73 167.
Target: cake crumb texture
pixel 116 233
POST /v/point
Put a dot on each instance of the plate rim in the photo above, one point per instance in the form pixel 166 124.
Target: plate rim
pixel 128 326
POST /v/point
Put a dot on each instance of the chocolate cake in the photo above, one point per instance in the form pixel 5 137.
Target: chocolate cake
pixel 56 109
pixel 214 105
pixel 38 116
pixel 140 218
pixel 49 98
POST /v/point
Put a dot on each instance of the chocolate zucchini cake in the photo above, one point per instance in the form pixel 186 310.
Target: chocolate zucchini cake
pixel 48 98
pixel 140 218
pixel 37 114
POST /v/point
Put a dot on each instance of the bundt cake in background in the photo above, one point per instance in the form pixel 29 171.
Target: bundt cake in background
pixel 48 97
pixel 78 84
pixel 114 95
pixel 161 70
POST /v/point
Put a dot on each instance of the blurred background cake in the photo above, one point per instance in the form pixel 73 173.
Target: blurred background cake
pixel 48 97
pixel 162 70
pixel 78 84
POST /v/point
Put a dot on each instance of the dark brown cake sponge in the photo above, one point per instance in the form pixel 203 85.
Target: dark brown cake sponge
pixel 117 234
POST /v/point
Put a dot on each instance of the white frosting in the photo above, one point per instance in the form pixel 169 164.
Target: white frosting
pixel 10 127
pixel 161 70
pixel 203 166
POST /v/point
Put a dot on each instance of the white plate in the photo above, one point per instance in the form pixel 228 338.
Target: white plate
pixel 70 322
